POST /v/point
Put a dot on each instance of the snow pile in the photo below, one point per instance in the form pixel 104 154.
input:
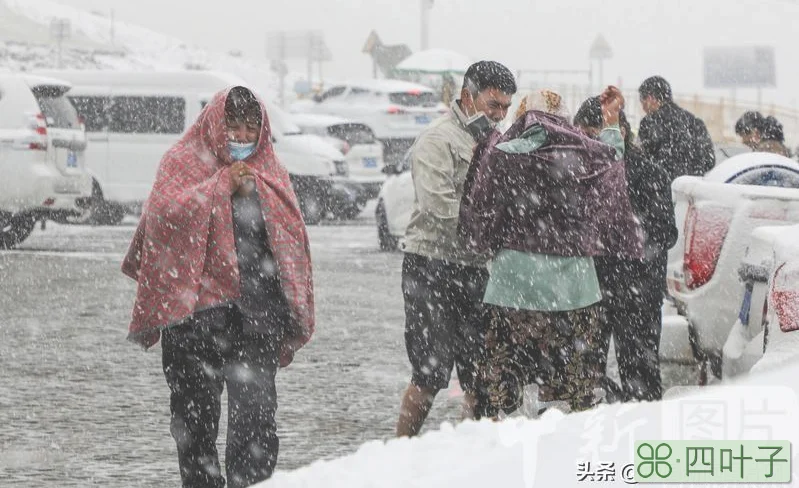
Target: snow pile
pixel 565 450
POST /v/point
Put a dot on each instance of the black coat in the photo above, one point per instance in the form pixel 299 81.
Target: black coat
pixel 625 280
pixel 677 141
pixel 649 188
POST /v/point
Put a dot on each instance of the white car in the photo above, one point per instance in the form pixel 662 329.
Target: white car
pixel 396 111
pixel 133 118
pixel 362 150
pixel 42 144
pixel 395 204
pixel 719 212
pixel 746 341
pixel 781 334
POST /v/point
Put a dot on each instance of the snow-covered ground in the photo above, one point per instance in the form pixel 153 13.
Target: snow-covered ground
pixel 80 406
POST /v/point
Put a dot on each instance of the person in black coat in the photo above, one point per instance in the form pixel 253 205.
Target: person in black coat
pixel 673 137
pixel 632 289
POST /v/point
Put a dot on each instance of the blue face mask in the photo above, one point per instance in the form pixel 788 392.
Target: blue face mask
pixel 240 150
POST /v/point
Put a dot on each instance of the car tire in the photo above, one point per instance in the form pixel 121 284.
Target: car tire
pixel 15 228
pixel 348 212
pixel 312 208
pixel 100 212
pixel 107 213
pixel 386 241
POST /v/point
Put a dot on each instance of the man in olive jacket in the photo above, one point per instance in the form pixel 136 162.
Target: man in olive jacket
pixel 442 282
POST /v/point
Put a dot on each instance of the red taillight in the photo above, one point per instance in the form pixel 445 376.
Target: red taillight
pixel 705 230
pixel 49 202
pixel 394 110
pixel 785 296
pixel 39 126
pixel 345 148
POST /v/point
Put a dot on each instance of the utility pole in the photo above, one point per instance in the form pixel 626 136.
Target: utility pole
pixel 426 6
pixel 60 30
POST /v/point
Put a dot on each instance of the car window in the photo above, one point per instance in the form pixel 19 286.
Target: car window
pixel 769 176
pixel 56 107
pixel 352 133
pixel 93 110
pixel 359 92
pixel 148 115
pixel 414 99
pixel 336 91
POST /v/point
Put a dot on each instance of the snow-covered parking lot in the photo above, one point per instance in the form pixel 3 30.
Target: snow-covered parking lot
pixel 80 406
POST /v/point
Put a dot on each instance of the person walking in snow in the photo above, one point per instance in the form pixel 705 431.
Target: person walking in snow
pixel 222 261
pixel 442 281
pixel 671 136
pixel 632 289
pixel 543 200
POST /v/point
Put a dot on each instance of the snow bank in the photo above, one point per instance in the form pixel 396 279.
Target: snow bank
pixel 546 452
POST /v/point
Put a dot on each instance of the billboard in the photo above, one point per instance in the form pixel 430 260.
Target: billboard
pixel 740 67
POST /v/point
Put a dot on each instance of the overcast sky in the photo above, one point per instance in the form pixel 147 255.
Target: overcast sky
pixel 647 36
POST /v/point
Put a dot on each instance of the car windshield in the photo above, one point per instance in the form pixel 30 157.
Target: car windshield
pixel 58 110
pixel 414 99
pixel 352 133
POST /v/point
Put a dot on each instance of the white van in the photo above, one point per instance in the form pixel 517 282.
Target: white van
pixel 133 118
pixel 42 143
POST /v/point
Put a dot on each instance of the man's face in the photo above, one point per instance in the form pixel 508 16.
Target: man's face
pixel 491 101
pixel 751 138
pixel 649 104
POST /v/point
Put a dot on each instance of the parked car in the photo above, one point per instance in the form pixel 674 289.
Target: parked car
pixel 719 212
pixel 746 341
pixel 133 118
pixel 396 111
pixel 780 338
pixel 395 204
pixel 42 144
pixel 363 152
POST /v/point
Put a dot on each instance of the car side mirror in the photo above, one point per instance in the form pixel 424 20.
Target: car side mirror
pixel 317 98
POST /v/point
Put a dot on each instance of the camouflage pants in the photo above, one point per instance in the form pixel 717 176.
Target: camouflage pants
pixel 559 351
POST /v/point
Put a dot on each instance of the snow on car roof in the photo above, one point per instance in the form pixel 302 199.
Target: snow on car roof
pixel 317 120
pixel 389 86
pixel 786 244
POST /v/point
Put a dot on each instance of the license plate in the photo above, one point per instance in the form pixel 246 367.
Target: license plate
pixel 72 160
pixel 743 315
pixel 422 119
pixel 370 162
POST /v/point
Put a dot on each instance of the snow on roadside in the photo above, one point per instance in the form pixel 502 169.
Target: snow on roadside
pixel 522 452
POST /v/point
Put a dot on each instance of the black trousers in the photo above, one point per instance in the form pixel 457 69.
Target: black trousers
pixel 200 358
pixel 631 312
